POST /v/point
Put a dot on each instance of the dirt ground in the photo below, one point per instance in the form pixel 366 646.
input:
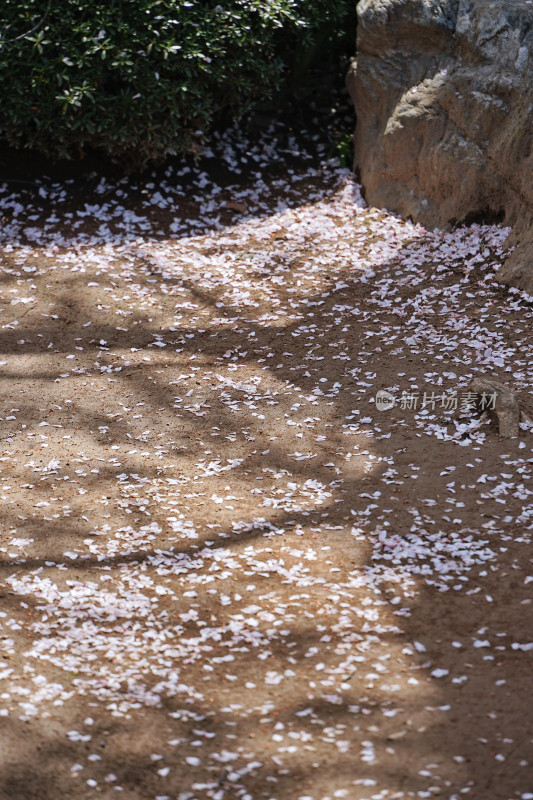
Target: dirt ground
pixel 225 573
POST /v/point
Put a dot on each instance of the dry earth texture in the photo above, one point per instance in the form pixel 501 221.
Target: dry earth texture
pixel 225 573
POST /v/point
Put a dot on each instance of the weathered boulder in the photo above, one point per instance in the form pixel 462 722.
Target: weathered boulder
pixel 502 403
pixel 443 94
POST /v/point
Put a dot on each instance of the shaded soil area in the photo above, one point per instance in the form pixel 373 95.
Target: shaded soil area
pixel 224 572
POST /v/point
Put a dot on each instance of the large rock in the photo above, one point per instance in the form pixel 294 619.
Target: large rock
pixel 443 93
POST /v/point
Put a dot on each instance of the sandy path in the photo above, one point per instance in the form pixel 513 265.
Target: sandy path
pixel 225 574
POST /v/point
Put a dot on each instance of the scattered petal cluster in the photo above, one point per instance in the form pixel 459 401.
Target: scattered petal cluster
pixel 225 572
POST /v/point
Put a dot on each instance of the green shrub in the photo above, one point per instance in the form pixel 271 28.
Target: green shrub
pixel 140 79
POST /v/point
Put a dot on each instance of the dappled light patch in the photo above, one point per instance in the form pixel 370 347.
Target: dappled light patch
pixel 216 549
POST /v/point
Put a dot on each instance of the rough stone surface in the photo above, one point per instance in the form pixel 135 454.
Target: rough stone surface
pixel 443 92
pixel 506 405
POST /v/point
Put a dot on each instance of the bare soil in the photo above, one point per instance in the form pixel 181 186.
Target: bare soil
pixel 225 573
